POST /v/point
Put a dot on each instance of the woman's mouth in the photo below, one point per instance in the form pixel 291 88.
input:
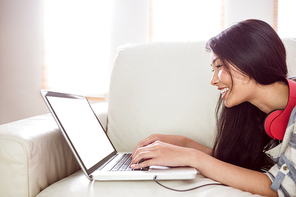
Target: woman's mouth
pixel 223 92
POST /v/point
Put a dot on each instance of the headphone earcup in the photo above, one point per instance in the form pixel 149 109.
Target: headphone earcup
pixel 269 127
pixel 276 122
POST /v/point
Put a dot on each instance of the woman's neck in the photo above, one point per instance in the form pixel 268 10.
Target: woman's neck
pixel 271 97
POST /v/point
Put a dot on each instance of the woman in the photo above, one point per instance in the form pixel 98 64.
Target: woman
pixel 249 69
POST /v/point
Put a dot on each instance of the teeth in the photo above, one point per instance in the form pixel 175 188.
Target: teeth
pixel 224 90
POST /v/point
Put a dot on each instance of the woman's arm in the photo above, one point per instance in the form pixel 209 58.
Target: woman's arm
pixel 237 177
pixel 189 143
pixel 160 153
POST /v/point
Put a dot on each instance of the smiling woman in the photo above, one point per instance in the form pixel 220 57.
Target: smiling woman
pixel 250 70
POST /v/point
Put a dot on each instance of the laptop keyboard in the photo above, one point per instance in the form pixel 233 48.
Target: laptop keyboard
pixel 124 164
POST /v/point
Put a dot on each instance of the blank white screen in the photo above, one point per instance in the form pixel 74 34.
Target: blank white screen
pixel 83 129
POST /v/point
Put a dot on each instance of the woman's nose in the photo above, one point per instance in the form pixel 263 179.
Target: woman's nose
pixel 214 79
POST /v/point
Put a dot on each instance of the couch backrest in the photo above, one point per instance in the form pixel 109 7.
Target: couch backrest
pixel 165 88
pixel 161 88
pixel 290 45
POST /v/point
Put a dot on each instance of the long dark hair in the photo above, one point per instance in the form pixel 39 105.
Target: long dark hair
pixel 255 49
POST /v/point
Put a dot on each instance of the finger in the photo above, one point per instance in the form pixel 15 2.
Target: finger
pixel 145 163
pixel 144 153
pixel 140 152
pixel 137 151
pixel 143 143
pixel 139 145
pixel 139 156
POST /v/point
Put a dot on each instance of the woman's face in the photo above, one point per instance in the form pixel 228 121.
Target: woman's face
pixel 235 88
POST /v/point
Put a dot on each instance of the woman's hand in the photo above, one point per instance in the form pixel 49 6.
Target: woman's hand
pixel 174 140
pixel 170 139
pixel 161 153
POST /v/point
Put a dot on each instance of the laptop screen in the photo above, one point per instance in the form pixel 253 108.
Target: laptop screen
pixel 82 128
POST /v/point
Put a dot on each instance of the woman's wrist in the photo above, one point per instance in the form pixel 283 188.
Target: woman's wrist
pixel 197 159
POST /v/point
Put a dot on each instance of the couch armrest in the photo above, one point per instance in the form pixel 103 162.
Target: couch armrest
pixel 33 155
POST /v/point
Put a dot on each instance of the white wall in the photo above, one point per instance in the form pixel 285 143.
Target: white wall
pixel 21 45
pixel 238 10
pixel 130 23
pixel 20 59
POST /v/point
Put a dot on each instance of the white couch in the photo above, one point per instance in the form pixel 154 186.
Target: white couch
pixel 155 88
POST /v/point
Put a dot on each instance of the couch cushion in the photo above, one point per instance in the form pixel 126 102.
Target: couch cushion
pixel 78 185
pixel 161 88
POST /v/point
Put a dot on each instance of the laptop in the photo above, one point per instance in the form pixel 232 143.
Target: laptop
pixel 92 148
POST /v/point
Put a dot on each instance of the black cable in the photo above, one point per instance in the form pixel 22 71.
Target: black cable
pixel 185 190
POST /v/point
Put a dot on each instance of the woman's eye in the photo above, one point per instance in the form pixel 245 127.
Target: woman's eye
pixel 218 66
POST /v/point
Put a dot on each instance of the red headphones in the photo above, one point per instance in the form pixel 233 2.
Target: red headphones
pixel 276 121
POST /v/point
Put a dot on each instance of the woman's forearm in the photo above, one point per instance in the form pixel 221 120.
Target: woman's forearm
pixel 180 140
pixel 231 175
pixel 189 143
